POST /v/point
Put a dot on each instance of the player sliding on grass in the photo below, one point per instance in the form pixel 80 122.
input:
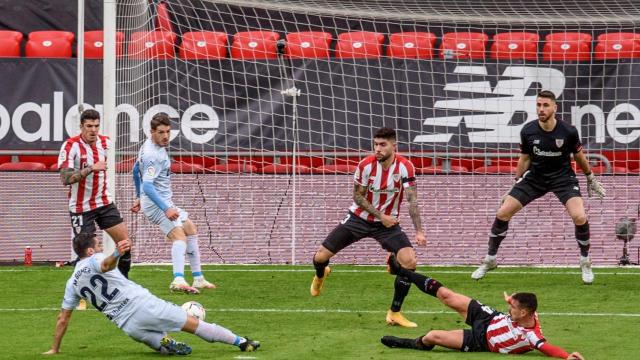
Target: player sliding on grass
pixel 381 180
pixel 544 166
pixel 140 314
pixel 152 179
pixel 516 332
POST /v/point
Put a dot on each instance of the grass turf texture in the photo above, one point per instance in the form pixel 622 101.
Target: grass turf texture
pixel 272 304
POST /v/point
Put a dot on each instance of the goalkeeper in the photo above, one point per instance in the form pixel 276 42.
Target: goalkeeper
pixel 545 165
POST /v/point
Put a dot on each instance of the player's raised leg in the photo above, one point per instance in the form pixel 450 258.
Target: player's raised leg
pixel 118 233
pixel 321 266
pixel 407 258
pixel 575 208
pixel 193 252
pixel 178 252
pixel 509 207
pixel 215 333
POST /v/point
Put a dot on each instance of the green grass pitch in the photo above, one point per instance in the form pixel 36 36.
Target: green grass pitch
pixel 272 304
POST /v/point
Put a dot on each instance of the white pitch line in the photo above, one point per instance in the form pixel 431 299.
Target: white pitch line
pixel 350 311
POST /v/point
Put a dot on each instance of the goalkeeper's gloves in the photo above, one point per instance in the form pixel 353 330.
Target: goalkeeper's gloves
pixel 593 186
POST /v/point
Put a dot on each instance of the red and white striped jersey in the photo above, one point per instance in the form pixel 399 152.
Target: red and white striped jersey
pixel 507 337
pixel 91 192
pixel 385 188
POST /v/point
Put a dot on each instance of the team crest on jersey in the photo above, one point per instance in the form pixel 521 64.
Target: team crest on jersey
pixel 151 171
pixel 396 177
pixel 559 142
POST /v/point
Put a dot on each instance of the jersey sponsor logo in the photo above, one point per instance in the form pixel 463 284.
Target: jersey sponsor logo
pixel 559 142
pixel 539 152
pixel 491 116
pixel 385 191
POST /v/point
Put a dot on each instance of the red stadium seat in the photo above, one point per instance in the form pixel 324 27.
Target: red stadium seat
pixel 52 48
pixel 204 45
pixel 163 20
pixel 285 169
pixel 51 34
pixel 495 169
pixel 600 169
pixel 309 161
pixel 453 169
pixel 152 45
pixel 415 45
pixel 23 166
pixel 125 166
pixel 515 45
pixel 464 45
pixel 185 168
pixel 336 169
pixel 203 161
pixel 94 44
pixel 421 162
pixel 359 44
pixel 255 45
pixel 5 159
pixel 468 163
pixel 44 159
pixel 233 168
pixel 308 44
pixel 567 46
pixel 617 46
pixel 10 43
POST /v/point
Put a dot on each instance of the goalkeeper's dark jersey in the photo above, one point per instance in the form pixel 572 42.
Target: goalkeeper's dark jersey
pixel 550 151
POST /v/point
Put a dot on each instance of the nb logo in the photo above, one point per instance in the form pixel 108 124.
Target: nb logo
pixel 490 116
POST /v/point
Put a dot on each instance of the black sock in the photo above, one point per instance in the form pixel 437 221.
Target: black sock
pixel 320 267
pixel 124 264
pixel 498 233
pixel 401 286
pixel 425 284
pixel 421 346
pixel 582 237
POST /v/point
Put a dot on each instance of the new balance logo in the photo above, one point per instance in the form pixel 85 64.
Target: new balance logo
pixel 492 113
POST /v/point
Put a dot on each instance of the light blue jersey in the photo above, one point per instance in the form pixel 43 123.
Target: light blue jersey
pixel 155 166
pixel 110 293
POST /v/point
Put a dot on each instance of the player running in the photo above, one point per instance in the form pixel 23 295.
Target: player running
pixel 516 332
pixel 152 179
pixel 140 314
pixel 546 146
pixel 83 164
pixel 380 183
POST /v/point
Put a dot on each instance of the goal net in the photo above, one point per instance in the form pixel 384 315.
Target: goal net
pixel 273 104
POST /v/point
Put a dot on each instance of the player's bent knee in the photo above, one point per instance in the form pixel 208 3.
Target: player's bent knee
pixel 407 258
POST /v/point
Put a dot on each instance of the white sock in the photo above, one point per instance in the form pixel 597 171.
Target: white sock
pixel 177 257
pixel 193 250
pixel 490 258
pixel 584 258
pixel 216 333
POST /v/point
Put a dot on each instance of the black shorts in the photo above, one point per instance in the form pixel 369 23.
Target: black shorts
pixel 354 228
pixel 106 216
pixel 531 187
pixel 478 317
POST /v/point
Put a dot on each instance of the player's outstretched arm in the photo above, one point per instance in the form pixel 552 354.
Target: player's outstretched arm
pixel 558 352
pixel 593 185
pixel 414 212
pixel 110 262
pixel 61 327
pixel 524 161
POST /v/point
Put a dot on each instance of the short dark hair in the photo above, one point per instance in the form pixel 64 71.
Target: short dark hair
pixel 160 119
pixel 89 114
pixel 547 95
pixel 526 300
pixel 385 133
pixel 82 242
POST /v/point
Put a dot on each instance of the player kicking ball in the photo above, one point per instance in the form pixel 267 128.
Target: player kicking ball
pixel 516 332
pixel 140 314
pixel 544 166
pixel 152 179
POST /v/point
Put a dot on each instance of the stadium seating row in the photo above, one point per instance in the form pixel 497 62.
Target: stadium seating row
pixel 562 46
pixel 247 167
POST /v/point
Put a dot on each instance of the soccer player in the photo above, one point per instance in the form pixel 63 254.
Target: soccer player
pixel 545 165
pixel 82 164
pixel 381 180
pixel 152 179
pixel 516 332
pixel 140 314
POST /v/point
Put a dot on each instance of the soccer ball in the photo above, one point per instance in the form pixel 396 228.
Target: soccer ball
pixel 195 309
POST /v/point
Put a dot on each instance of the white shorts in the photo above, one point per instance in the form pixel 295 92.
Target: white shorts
pixel 153 320
pixel 157 216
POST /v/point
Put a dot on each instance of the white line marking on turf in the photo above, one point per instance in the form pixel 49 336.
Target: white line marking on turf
pixel 244 357
pixel 349 311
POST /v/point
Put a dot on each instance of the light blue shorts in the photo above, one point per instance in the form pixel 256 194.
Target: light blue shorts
pixel 154 320
pixel 157 216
